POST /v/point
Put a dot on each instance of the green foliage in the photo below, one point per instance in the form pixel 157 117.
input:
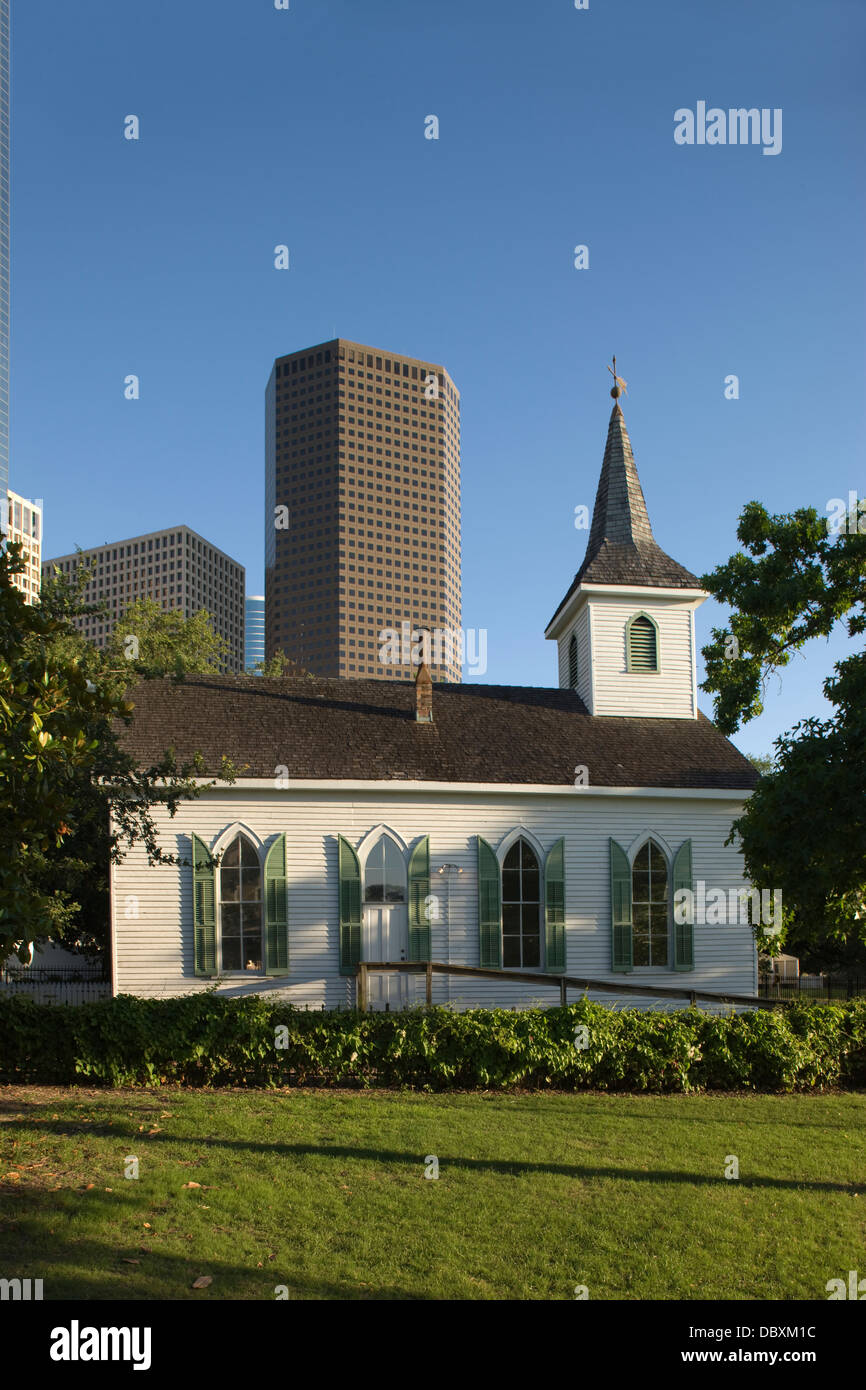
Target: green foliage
pixel 206 1039
pixel 63 705
pixel 804 827
pixel 153 641
pixel 280 665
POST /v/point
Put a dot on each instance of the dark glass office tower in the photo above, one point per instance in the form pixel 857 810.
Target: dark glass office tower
pixel 362 525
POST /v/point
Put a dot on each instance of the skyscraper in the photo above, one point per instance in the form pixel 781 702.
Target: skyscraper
pixel 25 529
pixel 254 639
pixel 362 525
pixel 178 568
pixel 4 262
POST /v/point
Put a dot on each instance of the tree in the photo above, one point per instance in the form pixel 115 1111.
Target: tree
pixel 280 665
pixel 157 641
pixel 764 762
pixel 804 826
pixel 63 705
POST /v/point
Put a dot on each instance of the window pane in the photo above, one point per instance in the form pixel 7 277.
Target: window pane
pixel 230 885
pixel 511 950
pixel 248 854
pixel 230 918
pixel 640 917
pixel 512 858
pixel 511 885
pixel 252 952
pixel 529 913
pixel 531 950
pixel 641 950
pixel 395 873
pixel 527 856
pixel 251 884
pixel 511 919
pixel 660 948
pixel 252 917
pixel 531 884
pixel 232 854
pixel 231 953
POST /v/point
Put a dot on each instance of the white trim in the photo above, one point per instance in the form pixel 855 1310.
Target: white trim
pixel 520 832
pixel 640 840
pixel 585 591
pixel 237 827
pixel 396 784
pixel 694 669
pixel 362 849
pixel 591 660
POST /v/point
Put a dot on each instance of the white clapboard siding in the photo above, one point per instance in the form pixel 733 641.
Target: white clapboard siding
pixel 153 950
pixel 665 694
pixel 580 629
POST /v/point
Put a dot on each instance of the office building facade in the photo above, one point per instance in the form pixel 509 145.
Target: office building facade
pixel 24 527
pixel 362 525
pixel 254 638
pixel 177 568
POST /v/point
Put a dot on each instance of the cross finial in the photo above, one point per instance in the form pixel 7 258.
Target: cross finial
pixel 619 386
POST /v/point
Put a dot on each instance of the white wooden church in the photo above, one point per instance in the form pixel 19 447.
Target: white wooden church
pixel 509 828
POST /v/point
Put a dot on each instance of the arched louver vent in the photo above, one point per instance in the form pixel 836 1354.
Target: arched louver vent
pixel 572 662
pixel 642 645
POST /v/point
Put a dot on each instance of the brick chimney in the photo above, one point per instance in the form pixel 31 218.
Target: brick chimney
pixel 424 695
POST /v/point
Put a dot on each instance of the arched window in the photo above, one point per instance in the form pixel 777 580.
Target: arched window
pixel 240 899
pixel 642 645
pixel 650 901
pixel 385 873
pixel 521 907
pixel 572 662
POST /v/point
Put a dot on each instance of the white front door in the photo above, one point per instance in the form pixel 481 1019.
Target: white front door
pixel 386 938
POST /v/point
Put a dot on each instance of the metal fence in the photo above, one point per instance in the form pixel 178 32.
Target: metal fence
pixel 828 987
pixel 45 985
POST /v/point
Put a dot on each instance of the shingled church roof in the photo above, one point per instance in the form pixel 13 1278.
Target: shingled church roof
pixel 319 727
pixel 621 547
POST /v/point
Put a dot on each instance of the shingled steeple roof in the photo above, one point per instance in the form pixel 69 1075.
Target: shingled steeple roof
pixel 621 547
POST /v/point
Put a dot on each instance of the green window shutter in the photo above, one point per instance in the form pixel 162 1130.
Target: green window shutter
pixel 419 891
pixel 554 908
pixel 684 932
pixel 204 908
pixel 276 910
pixel 489 911
pixel 350 908
pixel 622 955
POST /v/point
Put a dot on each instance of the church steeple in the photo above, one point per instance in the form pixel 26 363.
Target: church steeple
pixel 625 629
pixel 621 547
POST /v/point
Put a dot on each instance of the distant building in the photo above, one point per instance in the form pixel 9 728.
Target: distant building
pixel 24 523
pixel 254 641
pixel 362 511
pixel 178 568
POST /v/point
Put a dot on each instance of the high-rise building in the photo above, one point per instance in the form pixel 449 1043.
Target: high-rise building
pixel 25 528
pixel 254 641
pixel 362 526
pixel 4 260
pixel 178 568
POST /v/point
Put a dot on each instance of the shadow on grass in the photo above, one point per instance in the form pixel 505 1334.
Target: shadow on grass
pixel 74 1269
pixel 505 1168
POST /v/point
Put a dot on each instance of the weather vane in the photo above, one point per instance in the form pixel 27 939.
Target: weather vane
pixel 619 386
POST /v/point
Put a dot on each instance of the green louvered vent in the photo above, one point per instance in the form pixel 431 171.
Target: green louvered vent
pixel 642 649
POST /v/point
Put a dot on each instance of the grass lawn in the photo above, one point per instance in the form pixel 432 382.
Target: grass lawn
pixel 325 1192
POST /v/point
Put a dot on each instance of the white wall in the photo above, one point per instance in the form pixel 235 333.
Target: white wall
pixel 153 952
pixel 665 694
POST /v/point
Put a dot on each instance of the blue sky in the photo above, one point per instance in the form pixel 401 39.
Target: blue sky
pixel 306 127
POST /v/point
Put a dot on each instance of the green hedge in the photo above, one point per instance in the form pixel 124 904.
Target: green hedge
pixel 208 1040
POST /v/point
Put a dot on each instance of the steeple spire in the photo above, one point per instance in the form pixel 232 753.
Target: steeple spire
pixel 621 547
